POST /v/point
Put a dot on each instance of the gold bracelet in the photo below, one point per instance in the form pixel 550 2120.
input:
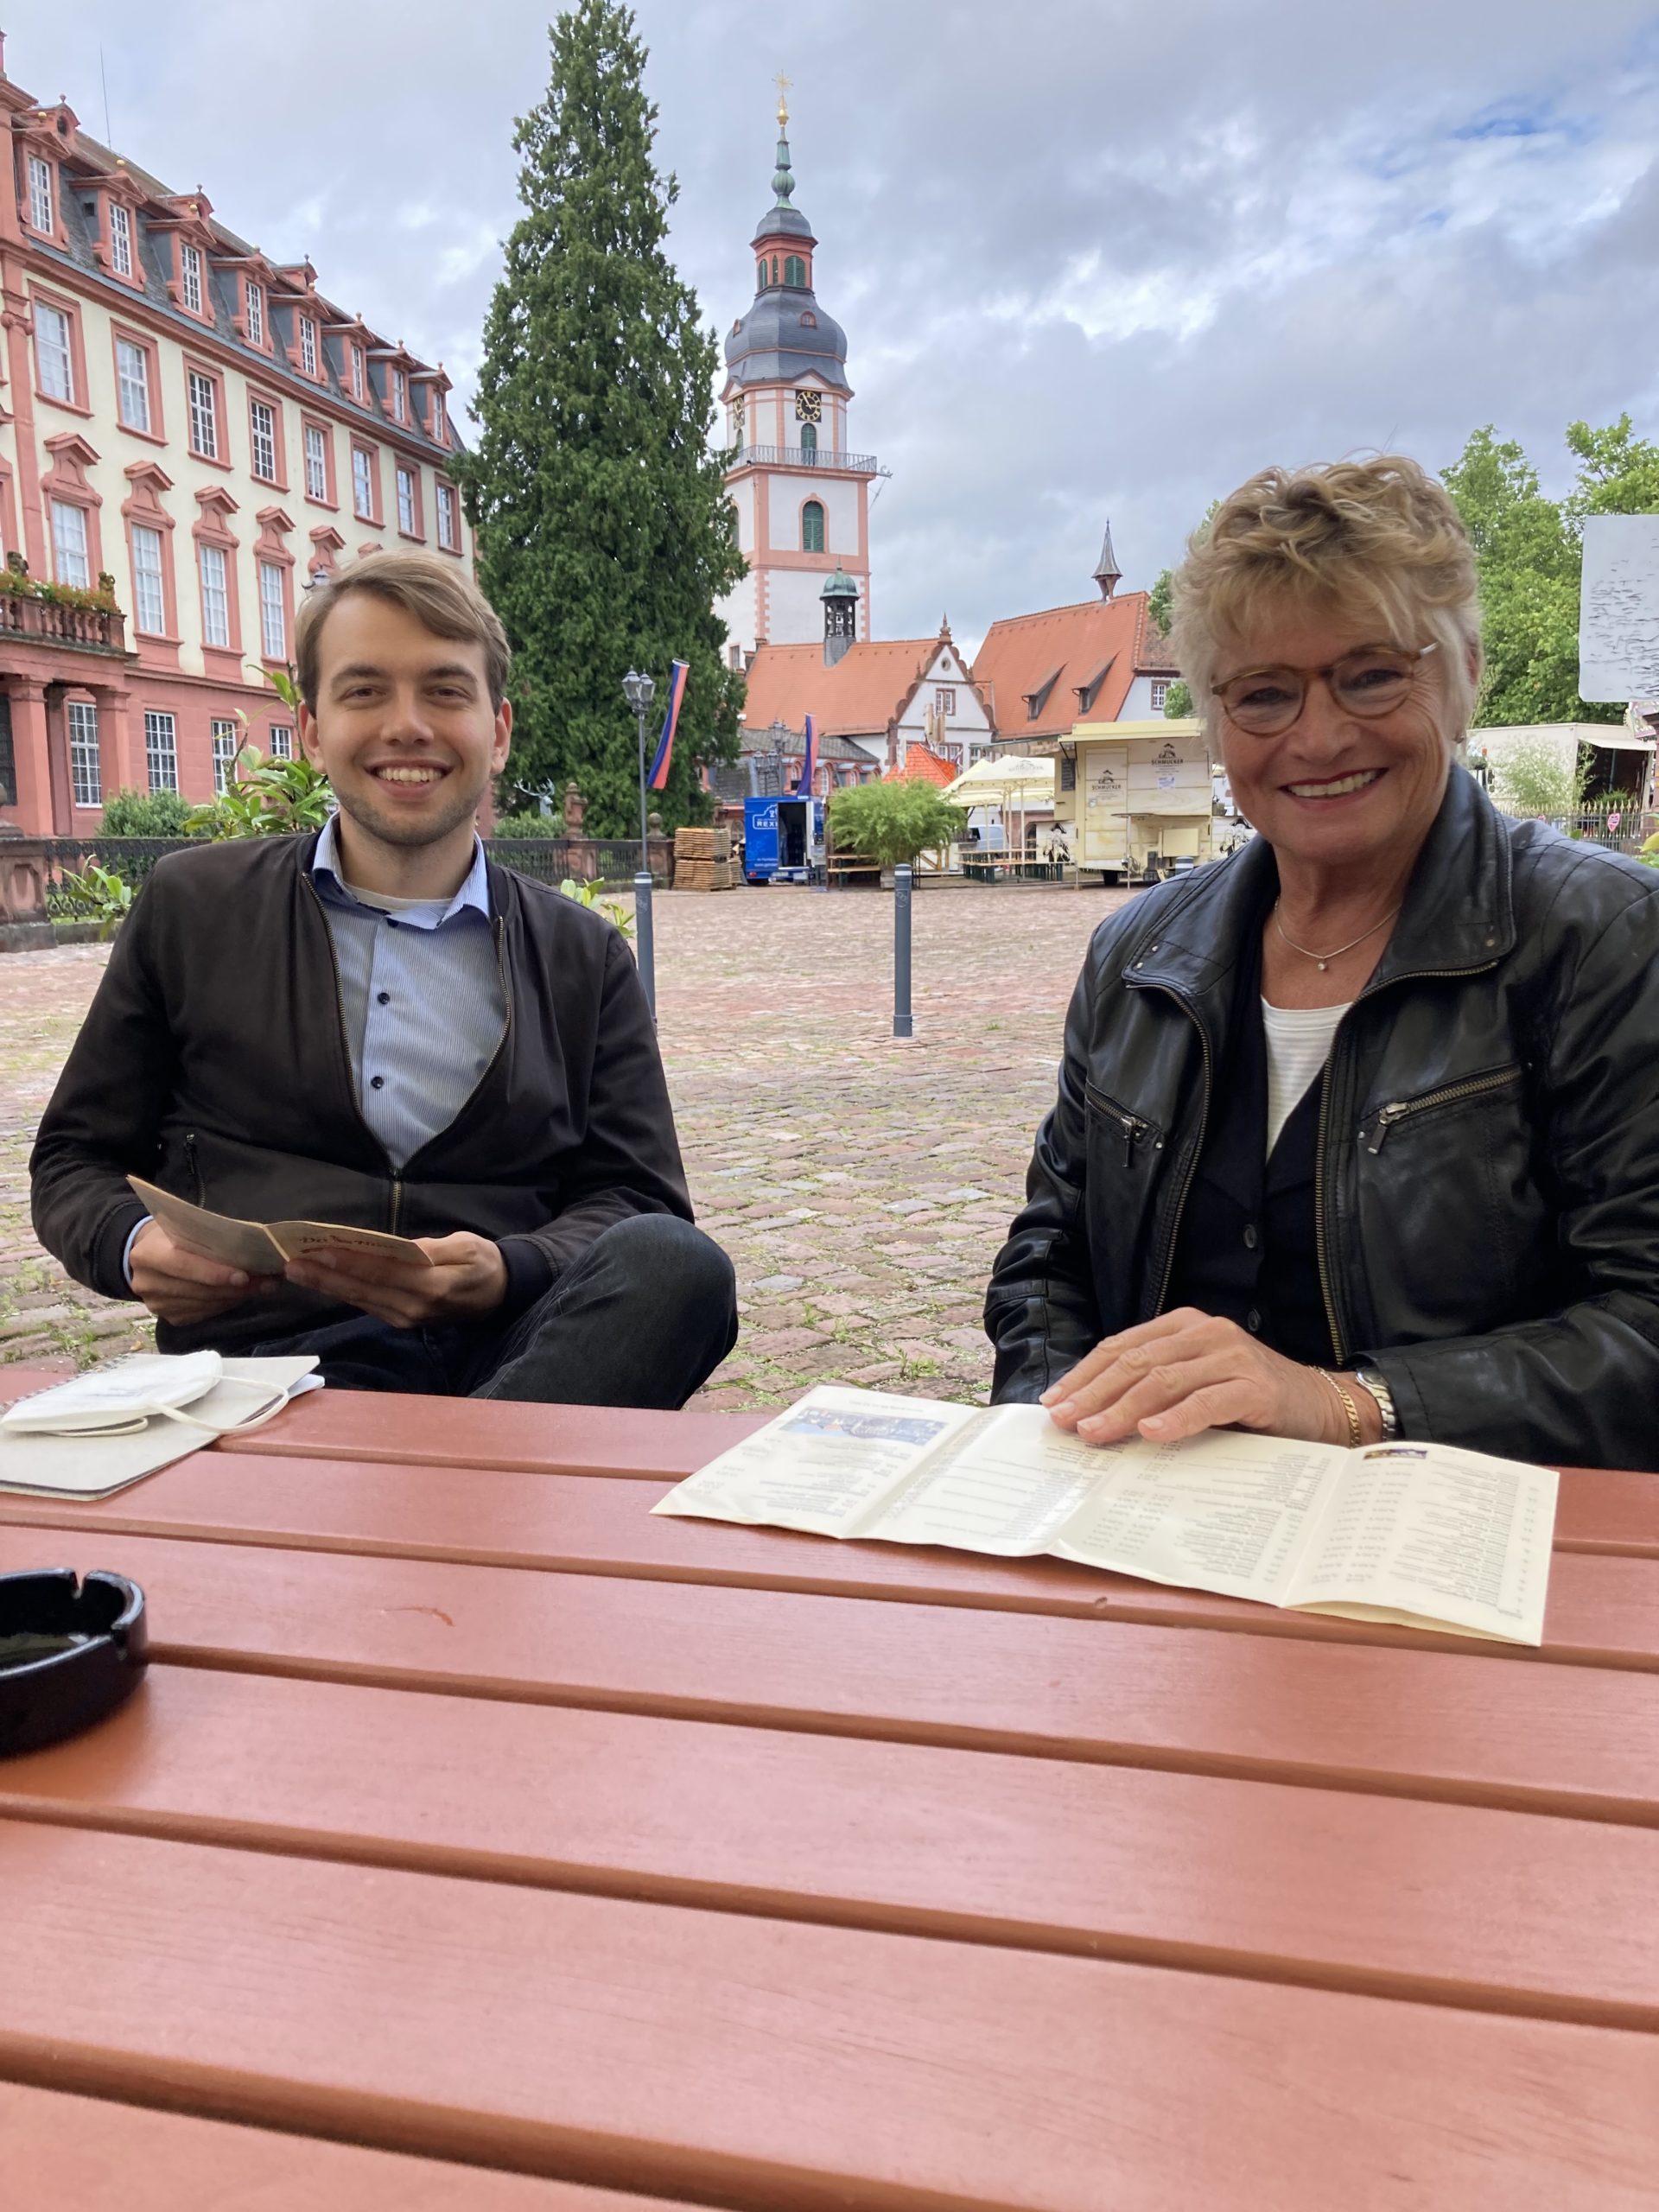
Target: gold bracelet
pixel 1356 1434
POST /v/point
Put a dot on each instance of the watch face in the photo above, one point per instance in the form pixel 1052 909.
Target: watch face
pixel 809 407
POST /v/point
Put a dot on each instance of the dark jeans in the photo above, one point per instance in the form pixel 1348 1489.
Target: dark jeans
pixel 642 1318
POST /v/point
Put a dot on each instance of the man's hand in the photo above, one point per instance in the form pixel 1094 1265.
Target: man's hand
pixel 1187 1371
pixel 467 1278
pixel 184 1287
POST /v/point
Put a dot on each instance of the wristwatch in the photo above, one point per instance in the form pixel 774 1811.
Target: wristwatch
pixel 1369 1379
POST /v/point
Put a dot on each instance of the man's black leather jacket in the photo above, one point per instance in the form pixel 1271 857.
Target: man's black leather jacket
pixel 1488 1178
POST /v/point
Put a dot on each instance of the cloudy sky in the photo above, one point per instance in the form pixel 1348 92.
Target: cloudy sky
pixel 1093 258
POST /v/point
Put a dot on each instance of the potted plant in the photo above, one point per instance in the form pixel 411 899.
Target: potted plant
pixel 889 823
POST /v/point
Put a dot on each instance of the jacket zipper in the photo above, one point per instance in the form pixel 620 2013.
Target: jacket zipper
pixel 1402 1109
pixel 1331 1322
pixel 1133 1127
pixel 1194 1152
pixel 195 1167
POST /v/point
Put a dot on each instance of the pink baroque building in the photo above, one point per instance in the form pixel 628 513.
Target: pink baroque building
pixel 200 429
pixel 802 494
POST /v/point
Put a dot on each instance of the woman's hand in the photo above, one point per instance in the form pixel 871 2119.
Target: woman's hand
pixel 1187 1371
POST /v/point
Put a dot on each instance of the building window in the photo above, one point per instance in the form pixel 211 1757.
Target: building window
pixel 760 273
pixel 316 463
pixel 224 752
pixel 120 239
pixel 215 596
pixel 281 741
pixel 132 383
pixel 399 395
pixel 273 621
pixel 262 428
pixel 190 278
pixel 357 374
pixel 71 563
pixel 447 537
pixel 406 501
pixel 308 345
pixel 204 416
pixel 40 193
pixel 83 754
pixel 149 596
pixel 812 527
pixel 795 271
pixel 440 420
pixel 363 484
pixel 945 700
pixel 1159 693
pixel 54 359
pixel 256 314
pixel 161 751
pixel 809 437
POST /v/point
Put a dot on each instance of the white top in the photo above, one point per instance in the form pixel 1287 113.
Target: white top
pixel 1299 1045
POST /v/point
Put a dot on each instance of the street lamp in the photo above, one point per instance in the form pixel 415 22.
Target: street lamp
pixel 639 690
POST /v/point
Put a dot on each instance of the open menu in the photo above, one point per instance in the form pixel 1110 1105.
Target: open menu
pixel 261 1248
pixel 1422 1533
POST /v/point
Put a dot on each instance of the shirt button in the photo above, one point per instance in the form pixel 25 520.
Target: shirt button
pixel 1251 1240
pixel 383 998
pixel 390 923
pixel 378 1083
pixel 1253 1321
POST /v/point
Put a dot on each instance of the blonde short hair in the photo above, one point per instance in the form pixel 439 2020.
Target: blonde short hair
pixel 1374 541
pixel 438 594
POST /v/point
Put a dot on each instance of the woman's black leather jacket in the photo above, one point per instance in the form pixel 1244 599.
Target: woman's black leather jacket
pixel 1488 1177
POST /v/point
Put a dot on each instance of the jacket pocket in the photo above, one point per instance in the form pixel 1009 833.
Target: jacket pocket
pixel 1121 1128
pixel 1375 1129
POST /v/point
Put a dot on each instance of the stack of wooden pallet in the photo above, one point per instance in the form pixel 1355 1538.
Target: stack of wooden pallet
pixel 702 860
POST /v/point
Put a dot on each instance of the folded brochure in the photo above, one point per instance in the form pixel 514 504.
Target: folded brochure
pixel 262 1248
pixel 1426 1535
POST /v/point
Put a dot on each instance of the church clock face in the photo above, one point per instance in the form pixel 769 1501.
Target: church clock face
pixel 809 407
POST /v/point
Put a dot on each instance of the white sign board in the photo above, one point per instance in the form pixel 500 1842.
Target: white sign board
pixel 1618 607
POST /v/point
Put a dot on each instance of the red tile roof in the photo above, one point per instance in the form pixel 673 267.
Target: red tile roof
pixel 864 692
pixel 923 766
pixel 1062 656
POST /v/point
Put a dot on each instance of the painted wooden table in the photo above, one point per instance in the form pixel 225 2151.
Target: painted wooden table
pixel 480 1841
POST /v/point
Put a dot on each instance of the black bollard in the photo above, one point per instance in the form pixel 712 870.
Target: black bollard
pixel 642 938
pixel 901 1021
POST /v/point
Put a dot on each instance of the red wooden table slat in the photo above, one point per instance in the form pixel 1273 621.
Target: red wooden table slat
pixel 773 2064
pixel 1520 1912
pixel 1603 1609
pixel 375 1425
pixel 83 2155
pixel 1555 1738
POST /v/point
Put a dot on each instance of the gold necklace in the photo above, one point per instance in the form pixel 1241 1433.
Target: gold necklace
pixel 1324 959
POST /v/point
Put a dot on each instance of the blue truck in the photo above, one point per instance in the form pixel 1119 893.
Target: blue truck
pixel 783 839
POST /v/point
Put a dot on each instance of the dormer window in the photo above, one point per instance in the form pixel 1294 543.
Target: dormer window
pixel 357 374
pixel 399 396
pixel 190 277
pixel 308 345
pixel 40 195
pixel 120 239
pixel 256 314
pixel 440 422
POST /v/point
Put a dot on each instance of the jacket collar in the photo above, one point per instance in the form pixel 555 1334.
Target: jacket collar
pixel 1458 913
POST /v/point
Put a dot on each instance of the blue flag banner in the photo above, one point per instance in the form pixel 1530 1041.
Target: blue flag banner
pixel 808 762
pixel 678 671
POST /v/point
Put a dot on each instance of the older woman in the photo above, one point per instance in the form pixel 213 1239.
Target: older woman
pixel 1357 1133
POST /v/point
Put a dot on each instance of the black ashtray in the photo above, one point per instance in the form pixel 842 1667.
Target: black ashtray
pixel 69 1653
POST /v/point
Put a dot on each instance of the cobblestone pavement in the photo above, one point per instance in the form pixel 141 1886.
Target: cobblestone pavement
pixel 860 1184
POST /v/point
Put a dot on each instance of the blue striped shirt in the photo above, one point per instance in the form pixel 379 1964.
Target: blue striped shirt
pixel 421 990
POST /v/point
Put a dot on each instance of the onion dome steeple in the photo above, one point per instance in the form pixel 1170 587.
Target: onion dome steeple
pixel 786 334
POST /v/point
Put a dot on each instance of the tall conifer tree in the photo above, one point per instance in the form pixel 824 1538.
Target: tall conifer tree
pixel 605 536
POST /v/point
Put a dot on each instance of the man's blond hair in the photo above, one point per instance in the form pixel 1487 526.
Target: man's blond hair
pixel 1378 541
pixel 438 593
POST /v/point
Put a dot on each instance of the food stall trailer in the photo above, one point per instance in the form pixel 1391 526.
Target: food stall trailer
pixel 1134 800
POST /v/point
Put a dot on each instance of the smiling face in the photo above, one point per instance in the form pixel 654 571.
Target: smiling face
pixel 403 728
pixel 1337 789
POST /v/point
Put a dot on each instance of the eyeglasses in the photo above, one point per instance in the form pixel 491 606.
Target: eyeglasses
pixel 1368 682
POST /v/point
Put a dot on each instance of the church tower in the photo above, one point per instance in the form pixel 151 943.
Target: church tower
pixel 802 495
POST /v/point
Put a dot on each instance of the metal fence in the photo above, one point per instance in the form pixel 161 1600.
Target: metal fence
pixel 130 858
pixel 1628 834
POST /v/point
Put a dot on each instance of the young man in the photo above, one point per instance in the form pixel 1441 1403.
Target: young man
pixel 380 1027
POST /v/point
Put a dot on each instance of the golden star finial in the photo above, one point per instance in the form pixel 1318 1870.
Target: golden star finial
pixel 783 100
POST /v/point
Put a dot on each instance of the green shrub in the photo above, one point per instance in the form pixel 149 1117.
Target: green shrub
pixel 264 799
pixel 529 826
pixel 1529 777
pixel 589 895
pixel 145 814
pixel 891 823
pixel 96 894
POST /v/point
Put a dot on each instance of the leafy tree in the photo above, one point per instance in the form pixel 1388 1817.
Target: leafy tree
pixel 1530 777
pixel 1178 701
pixel 605 535
pixel 889 823
pixel 144 814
